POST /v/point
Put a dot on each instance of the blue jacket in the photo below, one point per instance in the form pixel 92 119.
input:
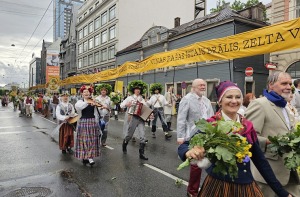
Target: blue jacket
pixel 244 172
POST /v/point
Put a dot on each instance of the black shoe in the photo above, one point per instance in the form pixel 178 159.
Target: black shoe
pixel 143 157
pixel 63 151
pixel 167 136
pixel 85 161
pixel 124 146
pixel 153 135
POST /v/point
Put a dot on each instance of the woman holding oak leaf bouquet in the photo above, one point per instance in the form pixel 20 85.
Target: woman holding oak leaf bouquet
pixel 225 143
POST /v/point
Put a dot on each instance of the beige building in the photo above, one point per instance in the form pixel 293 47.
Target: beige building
pixel 285 10
pixel 107 26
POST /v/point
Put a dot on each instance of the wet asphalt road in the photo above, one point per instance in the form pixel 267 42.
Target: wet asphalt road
pixel 32 162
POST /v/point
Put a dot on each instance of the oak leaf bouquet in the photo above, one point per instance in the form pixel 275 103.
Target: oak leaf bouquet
pixel 287 146
pixel 223 144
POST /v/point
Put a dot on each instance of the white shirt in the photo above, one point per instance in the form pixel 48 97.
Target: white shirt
pixel 157 100
pixel 65 107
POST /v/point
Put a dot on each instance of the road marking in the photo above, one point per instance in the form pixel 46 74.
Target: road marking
pixel 47 120
pixel 13 132
pixel 7 127
pixel 111 148
pixel 165 173
pixel 6 117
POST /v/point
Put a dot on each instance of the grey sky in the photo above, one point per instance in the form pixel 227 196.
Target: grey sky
pixel 18 19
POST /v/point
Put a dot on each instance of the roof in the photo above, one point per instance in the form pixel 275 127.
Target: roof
pixel 198 23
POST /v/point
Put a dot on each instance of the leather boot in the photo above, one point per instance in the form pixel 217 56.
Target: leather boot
pixel 141 152
pixel 167 135
pixel 153 128
pixel 169 126
pixel 124 146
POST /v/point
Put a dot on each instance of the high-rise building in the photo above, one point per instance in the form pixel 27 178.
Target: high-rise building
pixel 62 12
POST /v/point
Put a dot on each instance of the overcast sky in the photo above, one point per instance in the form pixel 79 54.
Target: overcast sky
pixel 18 19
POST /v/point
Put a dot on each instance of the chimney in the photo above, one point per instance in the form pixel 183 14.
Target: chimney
pixel 255 12
pixel 176 22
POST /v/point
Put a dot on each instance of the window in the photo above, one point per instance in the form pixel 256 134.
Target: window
pixel 96 4
pixel 91 27
pixel 80 63
pixel 80 18
pixel 91 60
pixel 96 57
pixel 91 9
pixel 111 52
pixel 85 61
pixel 104 36
pixel 103 55
pixel 112 32
pixel 85 31
pixel 80 36
pixel 85 14
pixel 112 12
pixel 97 41
pixel 97 23
pixel 91 43
pixel 85 46
pixel 104 18
pixel 80 49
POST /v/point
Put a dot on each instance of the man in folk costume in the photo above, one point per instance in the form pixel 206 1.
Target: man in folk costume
pixel 168 109
pixel 133 122
pixel 104 89
pixel 158 101
pixel 64 111
pixel 29 103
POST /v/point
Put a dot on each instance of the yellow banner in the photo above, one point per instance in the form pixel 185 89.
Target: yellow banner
pixel 119 86
pixel 278 37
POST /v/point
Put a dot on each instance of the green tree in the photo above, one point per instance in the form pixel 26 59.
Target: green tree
pixel 237 5
pixel 220 7
pixel 250 3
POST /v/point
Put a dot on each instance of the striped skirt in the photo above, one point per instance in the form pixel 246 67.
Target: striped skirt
pixel 217 188
pixel 87 142
pixel 66 136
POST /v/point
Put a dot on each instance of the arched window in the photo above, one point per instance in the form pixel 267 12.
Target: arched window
pixel 294 70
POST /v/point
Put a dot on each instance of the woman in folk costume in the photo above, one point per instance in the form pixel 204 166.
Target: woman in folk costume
pixel 64 111
pixel 88 129
pixel 103 99
pixel 133 122
pixel 158 101
pixel 168 109
pixel 29 103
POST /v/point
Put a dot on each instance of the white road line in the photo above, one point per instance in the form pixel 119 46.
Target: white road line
pixel 166 173
pixel 7 127
pixel 13 132
pixel 47 119
pixel 111 148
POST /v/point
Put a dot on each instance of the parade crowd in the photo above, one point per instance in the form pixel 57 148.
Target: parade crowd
pixel 275 112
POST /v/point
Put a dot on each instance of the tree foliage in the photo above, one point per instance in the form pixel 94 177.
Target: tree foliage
pixel 236 5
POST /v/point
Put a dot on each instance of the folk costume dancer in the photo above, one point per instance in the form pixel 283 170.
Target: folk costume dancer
pixel 158 101
pixel 193 107
pixel 168 109
pixel 132 122
pixel 29 103
pixel 88 129
pixel 104 100
pixel 64 111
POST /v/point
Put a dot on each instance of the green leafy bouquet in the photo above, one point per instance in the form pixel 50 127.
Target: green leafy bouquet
pixel 115 97
pixel 287 146
pixel 223 144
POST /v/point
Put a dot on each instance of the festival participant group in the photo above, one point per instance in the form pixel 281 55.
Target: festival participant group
pixel 275 112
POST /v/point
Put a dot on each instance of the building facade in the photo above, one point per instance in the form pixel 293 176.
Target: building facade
pixel 289 61
pixel 105 27
pixel 62 14
pixel 34 71
pixel 217 25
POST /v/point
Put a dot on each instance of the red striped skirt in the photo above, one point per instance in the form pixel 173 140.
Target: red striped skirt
pixel 66 136
pixel 213 187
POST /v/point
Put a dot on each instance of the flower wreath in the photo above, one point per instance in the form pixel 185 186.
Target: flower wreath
pixel 105 86
pixel 156 86
pixel 137 84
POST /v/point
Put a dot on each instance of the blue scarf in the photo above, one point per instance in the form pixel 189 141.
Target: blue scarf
pixel 278 100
